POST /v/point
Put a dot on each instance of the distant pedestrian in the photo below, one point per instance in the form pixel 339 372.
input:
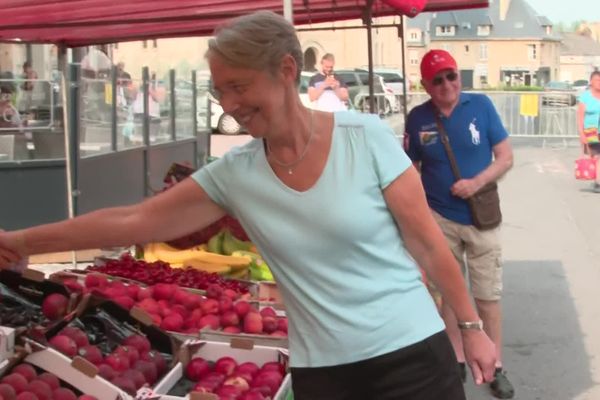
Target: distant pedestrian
pixel 588 123
pixel 28 76
pixel 326 89
pixel 483 154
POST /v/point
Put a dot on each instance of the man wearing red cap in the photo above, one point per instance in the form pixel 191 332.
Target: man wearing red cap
pixel 483 154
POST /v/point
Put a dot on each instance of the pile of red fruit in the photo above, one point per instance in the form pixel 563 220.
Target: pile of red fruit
pixel 24 383
pixel 55 306
pixel 160 272
pixel 175 309
pixel 231 381
pixel 130 366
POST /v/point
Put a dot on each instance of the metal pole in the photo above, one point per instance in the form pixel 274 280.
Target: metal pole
pixel 73 137
pixel 369 22
pixel 172 104
pixel 288 10
pixel 64 84
pixel 404 92
pixel 146 129
pixel 197 162
pixel 113 107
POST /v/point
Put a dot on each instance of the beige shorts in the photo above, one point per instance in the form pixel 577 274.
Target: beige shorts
pixel 479 255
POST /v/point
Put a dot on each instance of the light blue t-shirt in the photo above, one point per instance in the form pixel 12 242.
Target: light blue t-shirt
pixel 591 119
pixel 351 290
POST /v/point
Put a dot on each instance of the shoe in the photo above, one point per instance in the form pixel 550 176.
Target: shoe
pixel 462 367
pixel 501 386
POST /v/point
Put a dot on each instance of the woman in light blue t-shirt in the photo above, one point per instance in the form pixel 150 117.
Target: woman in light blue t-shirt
pixel 335 207
pixel 588 122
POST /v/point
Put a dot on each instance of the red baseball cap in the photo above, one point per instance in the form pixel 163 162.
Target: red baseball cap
pixel 435 61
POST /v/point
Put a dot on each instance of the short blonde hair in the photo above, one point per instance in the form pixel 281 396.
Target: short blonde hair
pixel 258 41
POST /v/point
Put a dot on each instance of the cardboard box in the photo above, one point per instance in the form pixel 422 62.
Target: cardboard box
pixel 28 290
pixel 7 342
pixel 75 375
pixel 256 340
pixel 212 351
pixel 269 292
pixel 65 256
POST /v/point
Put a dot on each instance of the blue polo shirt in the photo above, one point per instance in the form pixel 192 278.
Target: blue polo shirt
pixel 474 128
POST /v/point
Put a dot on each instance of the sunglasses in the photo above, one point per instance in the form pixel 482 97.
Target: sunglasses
pixel 450 77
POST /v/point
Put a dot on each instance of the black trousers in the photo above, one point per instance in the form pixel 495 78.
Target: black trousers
pixel 427 370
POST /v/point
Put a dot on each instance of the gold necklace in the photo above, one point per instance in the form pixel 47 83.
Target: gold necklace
pixel 290 166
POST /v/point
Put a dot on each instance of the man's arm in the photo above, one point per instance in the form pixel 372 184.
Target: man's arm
pixel 314 93
pixel 503 161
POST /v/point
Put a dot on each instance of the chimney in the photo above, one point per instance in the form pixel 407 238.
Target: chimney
pixel 504 6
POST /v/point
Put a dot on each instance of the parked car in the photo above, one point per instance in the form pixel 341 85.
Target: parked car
pixel 303 88
pixel 558 93
pixel 394 80
pixel 357 81
pixel 580 86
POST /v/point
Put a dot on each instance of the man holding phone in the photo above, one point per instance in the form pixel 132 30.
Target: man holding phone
pixel 326 90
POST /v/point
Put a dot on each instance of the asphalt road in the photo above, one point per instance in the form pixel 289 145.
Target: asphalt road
pixel 551 249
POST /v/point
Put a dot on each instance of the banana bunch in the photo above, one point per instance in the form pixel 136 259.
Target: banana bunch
pixel 225 243
pixel 198 257
pixel 259 270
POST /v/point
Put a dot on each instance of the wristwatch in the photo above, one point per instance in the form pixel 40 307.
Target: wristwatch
pixel 476 325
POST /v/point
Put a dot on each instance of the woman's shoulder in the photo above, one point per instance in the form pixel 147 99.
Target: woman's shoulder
pixel 244 151
pixel 349 119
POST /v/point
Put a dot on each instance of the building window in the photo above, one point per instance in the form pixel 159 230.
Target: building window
pixel 413 57
pixel 466 48
pixel 414 36
pixel 154 43
pixel 145 44
pixel 483 51
pixel 532 52
pixel 444 30
pixel 548 30
pixel 483 30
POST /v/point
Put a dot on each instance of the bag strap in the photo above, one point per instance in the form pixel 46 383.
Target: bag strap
pixel 446 142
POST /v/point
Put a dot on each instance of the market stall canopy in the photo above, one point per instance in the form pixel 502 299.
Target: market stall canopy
pixel 85 22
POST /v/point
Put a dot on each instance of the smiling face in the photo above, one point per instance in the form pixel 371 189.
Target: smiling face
pixel 256 99
pixel 444 88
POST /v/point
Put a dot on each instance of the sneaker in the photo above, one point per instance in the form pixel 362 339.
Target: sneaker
pixel 501 386
pixel 462 367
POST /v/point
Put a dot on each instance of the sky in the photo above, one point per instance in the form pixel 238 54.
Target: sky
pixel 567 10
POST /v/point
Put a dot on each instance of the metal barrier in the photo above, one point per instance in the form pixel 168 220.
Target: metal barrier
pixel 529 114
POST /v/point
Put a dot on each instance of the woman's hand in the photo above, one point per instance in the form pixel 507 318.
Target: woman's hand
pixel 10 252
pixel 480 354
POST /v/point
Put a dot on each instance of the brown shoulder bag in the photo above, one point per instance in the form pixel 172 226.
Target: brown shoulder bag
pixel 485 203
